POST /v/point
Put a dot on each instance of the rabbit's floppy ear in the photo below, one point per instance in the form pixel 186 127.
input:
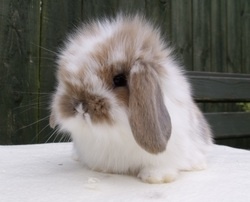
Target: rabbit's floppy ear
pixel 148 116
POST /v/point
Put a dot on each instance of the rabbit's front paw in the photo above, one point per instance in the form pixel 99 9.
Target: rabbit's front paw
pixel 157 176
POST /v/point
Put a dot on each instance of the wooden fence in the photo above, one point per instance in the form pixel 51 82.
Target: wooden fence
pixel 209 35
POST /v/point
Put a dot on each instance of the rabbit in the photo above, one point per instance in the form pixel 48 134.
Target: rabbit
pixel 126 102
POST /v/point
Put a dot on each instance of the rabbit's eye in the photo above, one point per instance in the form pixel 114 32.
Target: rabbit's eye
pixel 120 80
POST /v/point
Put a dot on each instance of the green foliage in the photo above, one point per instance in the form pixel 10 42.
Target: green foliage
pixel 245 106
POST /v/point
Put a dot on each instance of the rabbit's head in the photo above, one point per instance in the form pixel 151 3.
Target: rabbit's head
pixel 111 71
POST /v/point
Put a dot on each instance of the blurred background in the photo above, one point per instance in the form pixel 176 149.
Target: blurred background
pixel 208 36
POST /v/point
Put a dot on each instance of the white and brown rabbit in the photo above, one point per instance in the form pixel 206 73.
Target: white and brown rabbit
pixel 126 102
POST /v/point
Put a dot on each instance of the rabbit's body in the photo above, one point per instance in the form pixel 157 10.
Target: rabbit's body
pixel 127 104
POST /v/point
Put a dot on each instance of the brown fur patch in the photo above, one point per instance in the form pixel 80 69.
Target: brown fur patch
pixel 106 74
pixel 96 106
pixel 122 95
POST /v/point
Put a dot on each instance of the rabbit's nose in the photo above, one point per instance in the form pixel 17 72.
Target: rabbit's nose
pixel 81 107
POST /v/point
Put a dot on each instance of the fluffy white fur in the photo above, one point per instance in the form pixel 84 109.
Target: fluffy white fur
pixel 112 148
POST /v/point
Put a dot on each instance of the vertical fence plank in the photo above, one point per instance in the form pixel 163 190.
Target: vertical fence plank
pixel 245 36
pixel 234 42
pixel 131 6
pixel 102 8
pixel 201 38
pixel 98 8
pixel 182 37
pixel 218 36
pixel 19 70
pixel 58 19
pixel 201 35
pixel 160 13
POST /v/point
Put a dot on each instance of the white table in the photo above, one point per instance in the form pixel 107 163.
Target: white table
pixel 46 172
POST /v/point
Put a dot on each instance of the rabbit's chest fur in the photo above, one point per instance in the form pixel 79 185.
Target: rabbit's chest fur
pixel 112 149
